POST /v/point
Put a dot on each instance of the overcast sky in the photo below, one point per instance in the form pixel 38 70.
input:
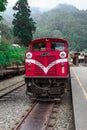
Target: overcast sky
pixel 49 4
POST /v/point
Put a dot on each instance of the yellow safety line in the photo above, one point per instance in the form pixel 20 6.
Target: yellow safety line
pixel 81 85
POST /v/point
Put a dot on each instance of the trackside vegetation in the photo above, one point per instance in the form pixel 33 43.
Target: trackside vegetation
pixel 20 34
pixel 10 55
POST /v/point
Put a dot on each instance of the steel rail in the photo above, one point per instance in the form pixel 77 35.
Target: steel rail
pixel 11 88
pixel 10 85
pixel 37 118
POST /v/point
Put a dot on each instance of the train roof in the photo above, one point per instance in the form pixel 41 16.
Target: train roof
pixel 48 39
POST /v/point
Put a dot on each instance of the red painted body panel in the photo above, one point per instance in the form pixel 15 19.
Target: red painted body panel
pixel 47 62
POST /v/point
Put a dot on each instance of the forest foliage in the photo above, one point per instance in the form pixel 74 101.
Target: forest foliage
pixel 3 4
pixel 20 33
pixel 65 21
pixel 23 24
pixel 10 55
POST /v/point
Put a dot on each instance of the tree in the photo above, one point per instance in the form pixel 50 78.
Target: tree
pixel 24 26
pixel 66 22
pixel 3 4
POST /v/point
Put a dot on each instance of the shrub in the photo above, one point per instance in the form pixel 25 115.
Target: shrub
pixel 10 55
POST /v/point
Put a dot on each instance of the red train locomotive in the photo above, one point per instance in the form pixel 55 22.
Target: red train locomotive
pixel 47 68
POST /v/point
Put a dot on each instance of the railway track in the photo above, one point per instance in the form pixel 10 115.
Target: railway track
pixel 40 116
pixel 44 116
pixel 37 118
pixel 9 89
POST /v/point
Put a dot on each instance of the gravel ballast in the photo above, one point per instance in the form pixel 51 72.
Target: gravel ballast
pixel 64 118
pixel 16 105
pixel 13 108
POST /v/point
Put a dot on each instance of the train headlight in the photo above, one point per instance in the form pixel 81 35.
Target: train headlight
pixel 62 54
pixel 29 55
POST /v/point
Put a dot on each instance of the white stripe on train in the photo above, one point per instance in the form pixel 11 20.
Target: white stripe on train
pixel 45 69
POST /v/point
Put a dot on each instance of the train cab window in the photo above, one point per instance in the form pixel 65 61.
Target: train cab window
pixel 58 46
pixel 41 46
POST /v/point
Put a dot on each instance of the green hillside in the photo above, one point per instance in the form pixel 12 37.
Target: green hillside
pixel 65 21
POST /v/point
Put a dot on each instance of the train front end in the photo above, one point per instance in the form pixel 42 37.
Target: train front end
pixel 47 69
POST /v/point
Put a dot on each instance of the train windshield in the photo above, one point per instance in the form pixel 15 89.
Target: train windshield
pixel 58 46
pixel 41 46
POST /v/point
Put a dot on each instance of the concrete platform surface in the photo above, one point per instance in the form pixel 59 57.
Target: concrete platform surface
pixel 79 96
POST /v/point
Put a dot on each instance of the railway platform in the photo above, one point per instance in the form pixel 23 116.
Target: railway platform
pixel 79 96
